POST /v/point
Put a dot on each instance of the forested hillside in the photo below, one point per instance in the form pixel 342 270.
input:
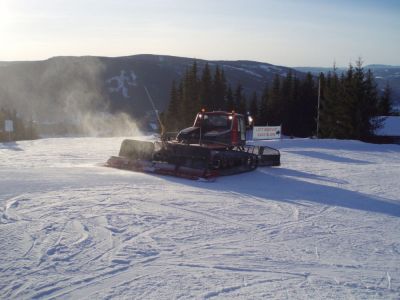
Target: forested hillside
pixel 348 108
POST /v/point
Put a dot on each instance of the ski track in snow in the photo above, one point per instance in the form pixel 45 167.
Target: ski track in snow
pixel 324 225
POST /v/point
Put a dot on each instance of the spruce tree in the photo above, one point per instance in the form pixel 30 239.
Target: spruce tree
pixel 362 103
pixel 240 100
pixel 307 108
pixel 230 103
pixel 206 89
pixel 253 109
pixel 286 104
pixel 345 112
pixel 328 105
pixel 320 89
pixel 243 109
pixel 191 95
pixel 219 90
pixel 370 107
pixel 274 111
pixel 262 117
pixel 385 102
pixel 171 120
pixel 357 89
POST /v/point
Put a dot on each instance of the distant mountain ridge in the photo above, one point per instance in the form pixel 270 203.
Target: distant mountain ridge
pixel 59 88
pixel 66 88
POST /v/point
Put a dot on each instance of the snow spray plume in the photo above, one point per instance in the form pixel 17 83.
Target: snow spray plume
pixel 106 124
pixel 63 91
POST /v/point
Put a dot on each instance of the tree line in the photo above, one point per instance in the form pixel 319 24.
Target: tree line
pixel 351 105
pixel 348 107
pixel 21 130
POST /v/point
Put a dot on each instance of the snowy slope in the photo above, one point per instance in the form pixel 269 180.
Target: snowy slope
pixel 324 225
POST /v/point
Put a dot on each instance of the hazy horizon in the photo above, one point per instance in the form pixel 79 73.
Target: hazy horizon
pixel 201 58
pixel 288 33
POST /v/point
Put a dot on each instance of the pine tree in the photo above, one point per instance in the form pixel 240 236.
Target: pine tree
pixel 322 82
pixel 230 103
pixel 361 94
pixel 385 102
pixel 219 90
pixel 328 105
pixel 172 117
pixel 206 89
pixel 286 104
pixel 243 105
pixel 221 94
pixel 345 112
pixel 262 117
pixel 274 107
pixel 357 89
pixel 370 107
pixel 253 109
pixel 240 100
pixel 191 95
pixel 182 105
pixel 294 105
pixel 306 108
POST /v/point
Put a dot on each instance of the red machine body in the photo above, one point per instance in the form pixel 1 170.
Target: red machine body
pixel 215 145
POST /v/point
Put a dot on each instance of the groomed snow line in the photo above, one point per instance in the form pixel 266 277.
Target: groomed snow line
pixel 323 225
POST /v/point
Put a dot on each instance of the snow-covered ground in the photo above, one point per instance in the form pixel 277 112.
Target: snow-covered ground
pixel 324 225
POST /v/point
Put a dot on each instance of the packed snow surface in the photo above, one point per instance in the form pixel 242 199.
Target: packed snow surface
pixel 323 225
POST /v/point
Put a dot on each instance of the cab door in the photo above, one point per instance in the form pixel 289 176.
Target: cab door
pixel 242 129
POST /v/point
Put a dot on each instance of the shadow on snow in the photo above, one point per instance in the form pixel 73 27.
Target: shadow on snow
pixel 329 157
pixel 11 146
pixel 289 186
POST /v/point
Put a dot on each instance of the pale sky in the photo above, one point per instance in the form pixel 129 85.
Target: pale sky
pixel 285 32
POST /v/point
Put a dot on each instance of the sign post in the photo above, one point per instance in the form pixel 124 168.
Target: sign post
pixel 9 127
pixel 319 99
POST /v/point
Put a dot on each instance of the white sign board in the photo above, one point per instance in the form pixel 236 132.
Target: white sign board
pixel 8 126
pixel 266 132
